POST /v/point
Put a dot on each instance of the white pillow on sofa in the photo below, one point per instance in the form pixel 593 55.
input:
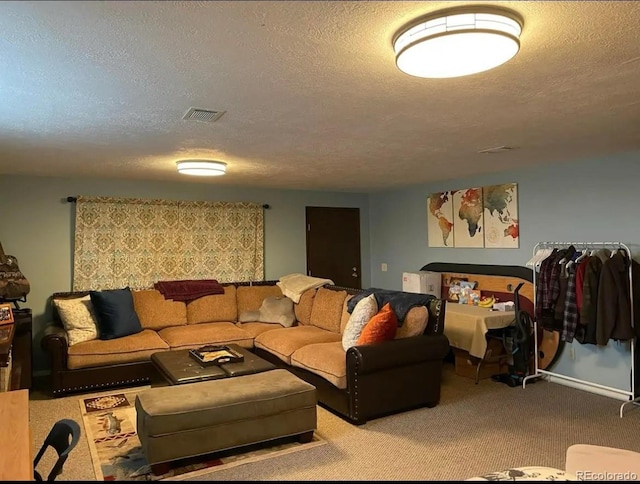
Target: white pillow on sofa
pixel 78 318
pixel 366 308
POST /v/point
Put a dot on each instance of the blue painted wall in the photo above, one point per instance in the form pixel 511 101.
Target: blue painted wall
pixel 592 200
pixel 37 227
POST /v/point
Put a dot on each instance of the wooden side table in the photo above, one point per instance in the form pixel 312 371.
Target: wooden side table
pixel 16 448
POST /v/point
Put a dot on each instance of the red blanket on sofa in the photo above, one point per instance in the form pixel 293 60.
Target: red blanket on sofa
pixel 188 290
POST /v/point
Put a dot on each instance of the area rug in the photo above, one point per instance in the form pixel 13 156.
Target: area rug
pixel 110 426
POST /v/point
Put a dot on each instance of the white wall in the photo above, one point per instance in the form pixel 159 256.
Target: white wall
pixel 592 200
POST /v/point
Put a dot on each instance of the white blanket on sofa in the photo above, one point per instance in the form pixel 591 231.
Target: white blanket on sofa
pixel 293 285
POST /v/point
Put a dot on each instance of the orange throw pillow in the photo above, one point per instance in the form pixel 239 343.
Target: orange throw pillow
pixel 381 327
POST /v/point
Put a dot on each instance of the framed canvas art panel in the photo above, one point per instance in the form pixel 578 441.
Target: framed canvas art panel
pixel 501 226
pixel 468 218
pixel 440 219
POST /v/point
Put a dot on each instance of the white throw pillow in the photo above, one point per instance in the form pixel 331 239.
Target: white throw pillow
pixel 366 309
pixel 78 319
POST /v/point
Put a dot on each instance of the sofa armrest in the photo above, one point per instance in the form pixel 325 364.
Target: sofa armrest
pixel 398 352
pixel 55 342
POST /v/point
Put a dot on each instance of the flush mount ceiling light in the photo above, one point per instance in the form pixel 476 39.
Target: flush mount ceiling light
pixel 201 167
pixel 457 42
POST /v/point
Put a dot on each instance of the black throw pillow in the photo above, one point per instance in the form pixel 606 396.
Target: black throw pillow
pixel 115 313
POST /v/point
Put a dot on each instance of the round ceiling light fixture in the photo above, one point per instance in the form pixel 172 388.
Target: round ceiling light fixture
pixel 457 42
pixel 201 167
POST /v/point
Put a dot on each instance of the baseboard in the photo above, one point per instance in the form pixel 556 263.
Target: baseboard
pixel 589 388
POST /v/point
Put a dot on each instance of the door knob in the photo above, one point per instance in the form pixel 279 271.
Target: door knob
pixel 354 269
pixel 355 274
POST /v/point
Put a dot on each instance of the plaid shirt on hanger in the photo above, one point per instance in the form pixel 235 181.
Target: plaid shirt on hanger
pixel 543 291
pixel 549 288
pixel 571 316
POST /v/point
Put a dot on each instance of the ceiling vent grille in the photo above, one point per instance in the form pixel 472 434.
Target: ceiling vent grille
pixel 497 149
pixel 206 115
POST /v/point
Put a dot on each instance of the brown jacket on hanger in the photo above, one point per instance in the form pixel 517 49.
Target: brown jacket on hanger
pixel 614 305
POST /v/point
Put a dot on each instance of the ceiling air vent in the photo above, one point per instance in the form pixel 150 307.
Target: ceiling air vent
pixel 497 149
pixel 206 115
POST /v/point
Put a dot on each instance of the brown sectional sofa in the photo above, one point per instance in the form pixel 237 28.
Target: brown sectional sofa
pixel 364 382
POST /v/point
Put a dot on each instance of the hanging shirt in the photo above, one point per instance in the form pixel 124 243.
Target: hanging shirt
pixel 543 286
pixel 580 271
pixel 588 312
pixel 550 320
pixel 571 315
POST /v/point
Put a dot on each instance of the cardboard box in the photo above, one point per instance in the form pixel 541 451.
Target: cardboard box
pixel 466 365
pixel 422 282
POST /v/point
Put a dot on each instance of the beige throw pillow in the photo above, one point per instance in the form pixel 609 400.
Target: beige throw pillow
pixel 277 310
pixel 366 308
pixel 415 322
pixel 78 318
pixel 273 310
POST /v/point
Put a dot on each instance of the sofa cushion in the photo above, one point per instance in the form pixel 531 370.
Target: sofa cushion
pixel 273 310
pixel 115 313
pixel 156 312
pixel 363 311
pixel 302 308
pixel 327 309
pixel 128 349
pixel 254 328
pixel 217 307
pixel 78 318
pixel 345 313
pixel 381 327
pixel 196 335
pixel 414 323
pixel 249 298
pixel 325 359
pixel 284 341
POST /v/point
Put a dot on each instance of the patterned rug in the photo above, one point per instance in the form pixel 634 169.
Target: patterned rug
pixel 110 426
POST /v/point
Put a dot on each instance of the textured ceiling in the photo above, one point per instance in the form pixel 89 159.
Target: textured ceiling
pixel 312 96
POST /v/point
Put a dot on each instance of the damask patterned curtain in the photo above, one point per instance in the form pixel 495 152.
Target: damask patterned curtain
pixel 134 242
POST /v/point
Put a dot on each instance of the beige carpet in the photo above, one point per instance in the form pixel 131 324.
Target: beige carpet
pixel 109 425
pixel 474 430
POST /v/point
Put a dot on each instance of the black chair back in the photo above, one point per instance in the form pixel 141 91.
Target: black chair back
pixel 63 437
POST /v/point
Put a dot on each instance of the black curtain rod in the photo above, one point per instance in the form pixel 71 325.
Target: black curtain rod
pixel 75 199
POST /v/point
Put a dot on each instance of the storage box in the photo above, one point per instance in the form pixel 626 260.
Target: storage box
pixel 467 365
pixel 504 306
pixel 422 282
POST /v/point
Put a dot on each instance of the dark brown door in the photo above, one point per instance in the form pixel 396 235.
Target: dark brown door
pixel 333 245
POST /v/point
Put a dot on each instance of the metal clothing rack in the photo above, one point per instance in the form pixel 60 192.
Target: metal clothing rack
pixel 631 394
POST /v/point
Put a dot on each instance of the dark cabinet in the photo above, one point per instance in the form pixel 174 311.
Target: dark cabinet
pixel 21 350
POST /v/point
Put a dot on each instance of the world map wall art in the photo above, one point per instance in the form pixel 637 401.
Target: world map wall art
pixel 474 217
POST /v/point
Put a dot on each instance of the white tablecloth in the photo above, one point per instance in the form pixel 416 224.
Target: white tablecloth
pixel 466 326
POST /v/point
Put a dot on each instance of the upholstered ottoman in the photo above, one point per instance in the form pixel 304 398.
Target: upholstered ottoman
pixel 176 422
